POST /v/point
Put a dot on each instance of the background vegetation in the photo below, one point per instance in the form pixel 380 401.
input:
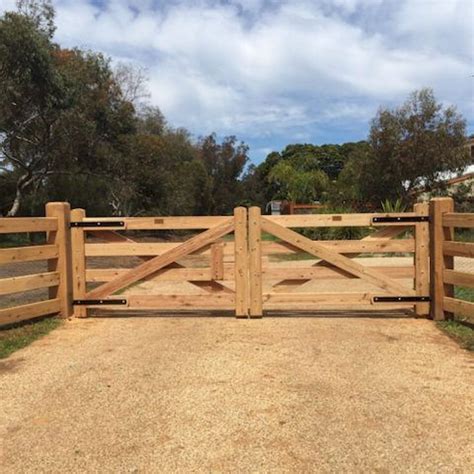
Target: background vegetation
pixel 74 127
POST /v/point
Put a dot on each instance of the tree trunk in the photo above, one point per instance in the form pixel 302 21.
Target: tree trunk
pixel 22 183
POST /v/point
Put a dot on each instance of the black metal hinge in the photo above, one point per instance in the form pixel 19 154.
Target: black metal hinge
pixel 99 302
pixel 401 299
pixel 98 224
pixel 404 219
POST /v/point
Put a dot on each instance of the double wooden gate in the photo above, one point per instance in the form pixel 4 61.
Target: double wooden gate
pixel 250 263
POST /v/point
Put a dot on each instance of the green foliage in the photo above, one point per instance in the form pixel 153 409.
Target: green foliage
pixel 296 185
pixel 393 206
pixel 411 147
pixel 460 332
pixel 21 335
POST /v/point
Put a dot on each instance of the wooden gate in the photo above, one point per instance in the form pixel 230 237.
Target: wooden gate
pixel 337 278
pixel 216 278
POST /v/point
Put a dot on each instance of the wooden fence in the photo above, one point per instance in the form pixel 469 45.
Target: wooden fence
pixel 444 274
pixel 228 263
pixel 55 251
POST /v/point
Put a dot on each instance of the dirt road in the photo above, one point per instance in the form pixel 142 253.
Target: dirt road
pixel 223 395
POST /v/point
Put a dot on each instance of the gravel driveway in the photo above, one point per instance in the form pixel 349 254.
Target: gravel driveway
pixel 200 394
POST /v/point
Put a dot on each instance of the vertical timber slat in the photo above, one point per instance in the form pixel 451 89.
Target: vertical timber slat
pixel 255 263
pixel 439 262
pixel 217 261
pixel 241 262
pixel 78 262
pixel 422 259
pixel 61 237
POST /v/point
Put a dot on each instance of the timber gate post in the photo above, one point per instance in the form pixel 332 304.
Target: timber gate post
pixel 255 262
pixel 78 262
pixel 61 237
pixel 422 258
pixel 241 262
pixel 439 261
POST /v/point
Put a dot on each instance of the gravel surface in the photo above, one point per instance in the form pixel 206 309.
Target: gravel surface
pixel 200 394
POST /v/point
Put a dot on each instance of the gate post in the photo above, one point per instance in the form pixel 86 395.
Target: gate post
pixel 61 237
pixel 78 262
pixel 422 258
pixel 439 261
pixel 255 262
pixel 241 262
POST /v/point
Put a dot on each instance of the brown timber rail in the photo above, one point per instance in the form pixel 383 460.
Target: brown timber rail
pixel 279 286
pixel 227 265
pixel 55 251
pixel 217 282
pixel 444 250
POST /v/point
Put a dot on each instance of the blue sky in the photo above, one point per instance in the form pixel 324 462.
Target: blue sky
pixel 276 72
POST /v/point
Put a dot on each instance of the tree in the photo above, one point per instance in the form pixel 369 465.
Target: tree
pixel 412 147
pixel 61 111
pixel 298 186
pixel 225 164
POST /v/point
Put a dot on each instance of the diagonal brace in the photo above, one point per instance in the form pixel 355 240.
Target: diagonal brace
pixel 334 258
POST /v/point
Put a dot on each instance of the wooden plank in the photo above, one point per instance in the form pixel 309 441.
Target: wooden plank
pixel 161 223
pixel 330 273
pixel 326 301
pixel 142 249
pixel 29 311
pixel 28 254
pixel 458 307
pixel 157 263
pixel 422 258
pixel 255 262
pixel 166 274
pixel 348 246
pixel 18 284
pixel 12 225
pixel 241 263
pixel 458 219
pixel 335 220
pixel 187 302
pixel 316 298
pixel 201 283
pixel 438 260
pixel 336 259
pixel 454 277
pixel 62 238
pixel 79 282
pixel 458 249
pixel 217 261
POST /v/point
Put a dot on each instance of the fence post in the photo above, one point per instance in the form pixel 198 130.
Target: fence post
pixel 439 261
pixel 61 237
pixel 422 258
pixel 241 262
pixel 78 262
pixel 255 262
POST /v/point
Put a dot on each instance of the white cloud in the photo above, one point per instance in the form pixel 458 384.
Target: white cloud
pixel 263 68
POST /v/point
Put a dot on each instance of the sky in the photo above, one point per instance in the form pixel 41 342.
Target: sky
pixel 274 72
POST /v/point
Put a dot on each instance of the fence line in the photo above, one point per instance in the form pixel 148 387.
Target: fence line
pixel 235 266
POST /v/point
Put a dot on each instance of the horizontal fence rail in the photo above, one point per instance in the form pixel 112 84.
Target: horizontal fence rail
pixel 446 249
pixel 55 252
pixel 227 263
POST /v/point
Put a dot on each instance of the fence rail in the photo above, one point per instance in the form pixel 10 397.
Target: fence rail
pixel 445 249
pixel 55 252
pixel 234 268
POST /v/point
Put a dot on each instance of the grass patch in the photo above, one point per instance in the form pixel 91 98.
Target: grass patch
pixel 463 333
pixel 463 293
pixel 21 335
